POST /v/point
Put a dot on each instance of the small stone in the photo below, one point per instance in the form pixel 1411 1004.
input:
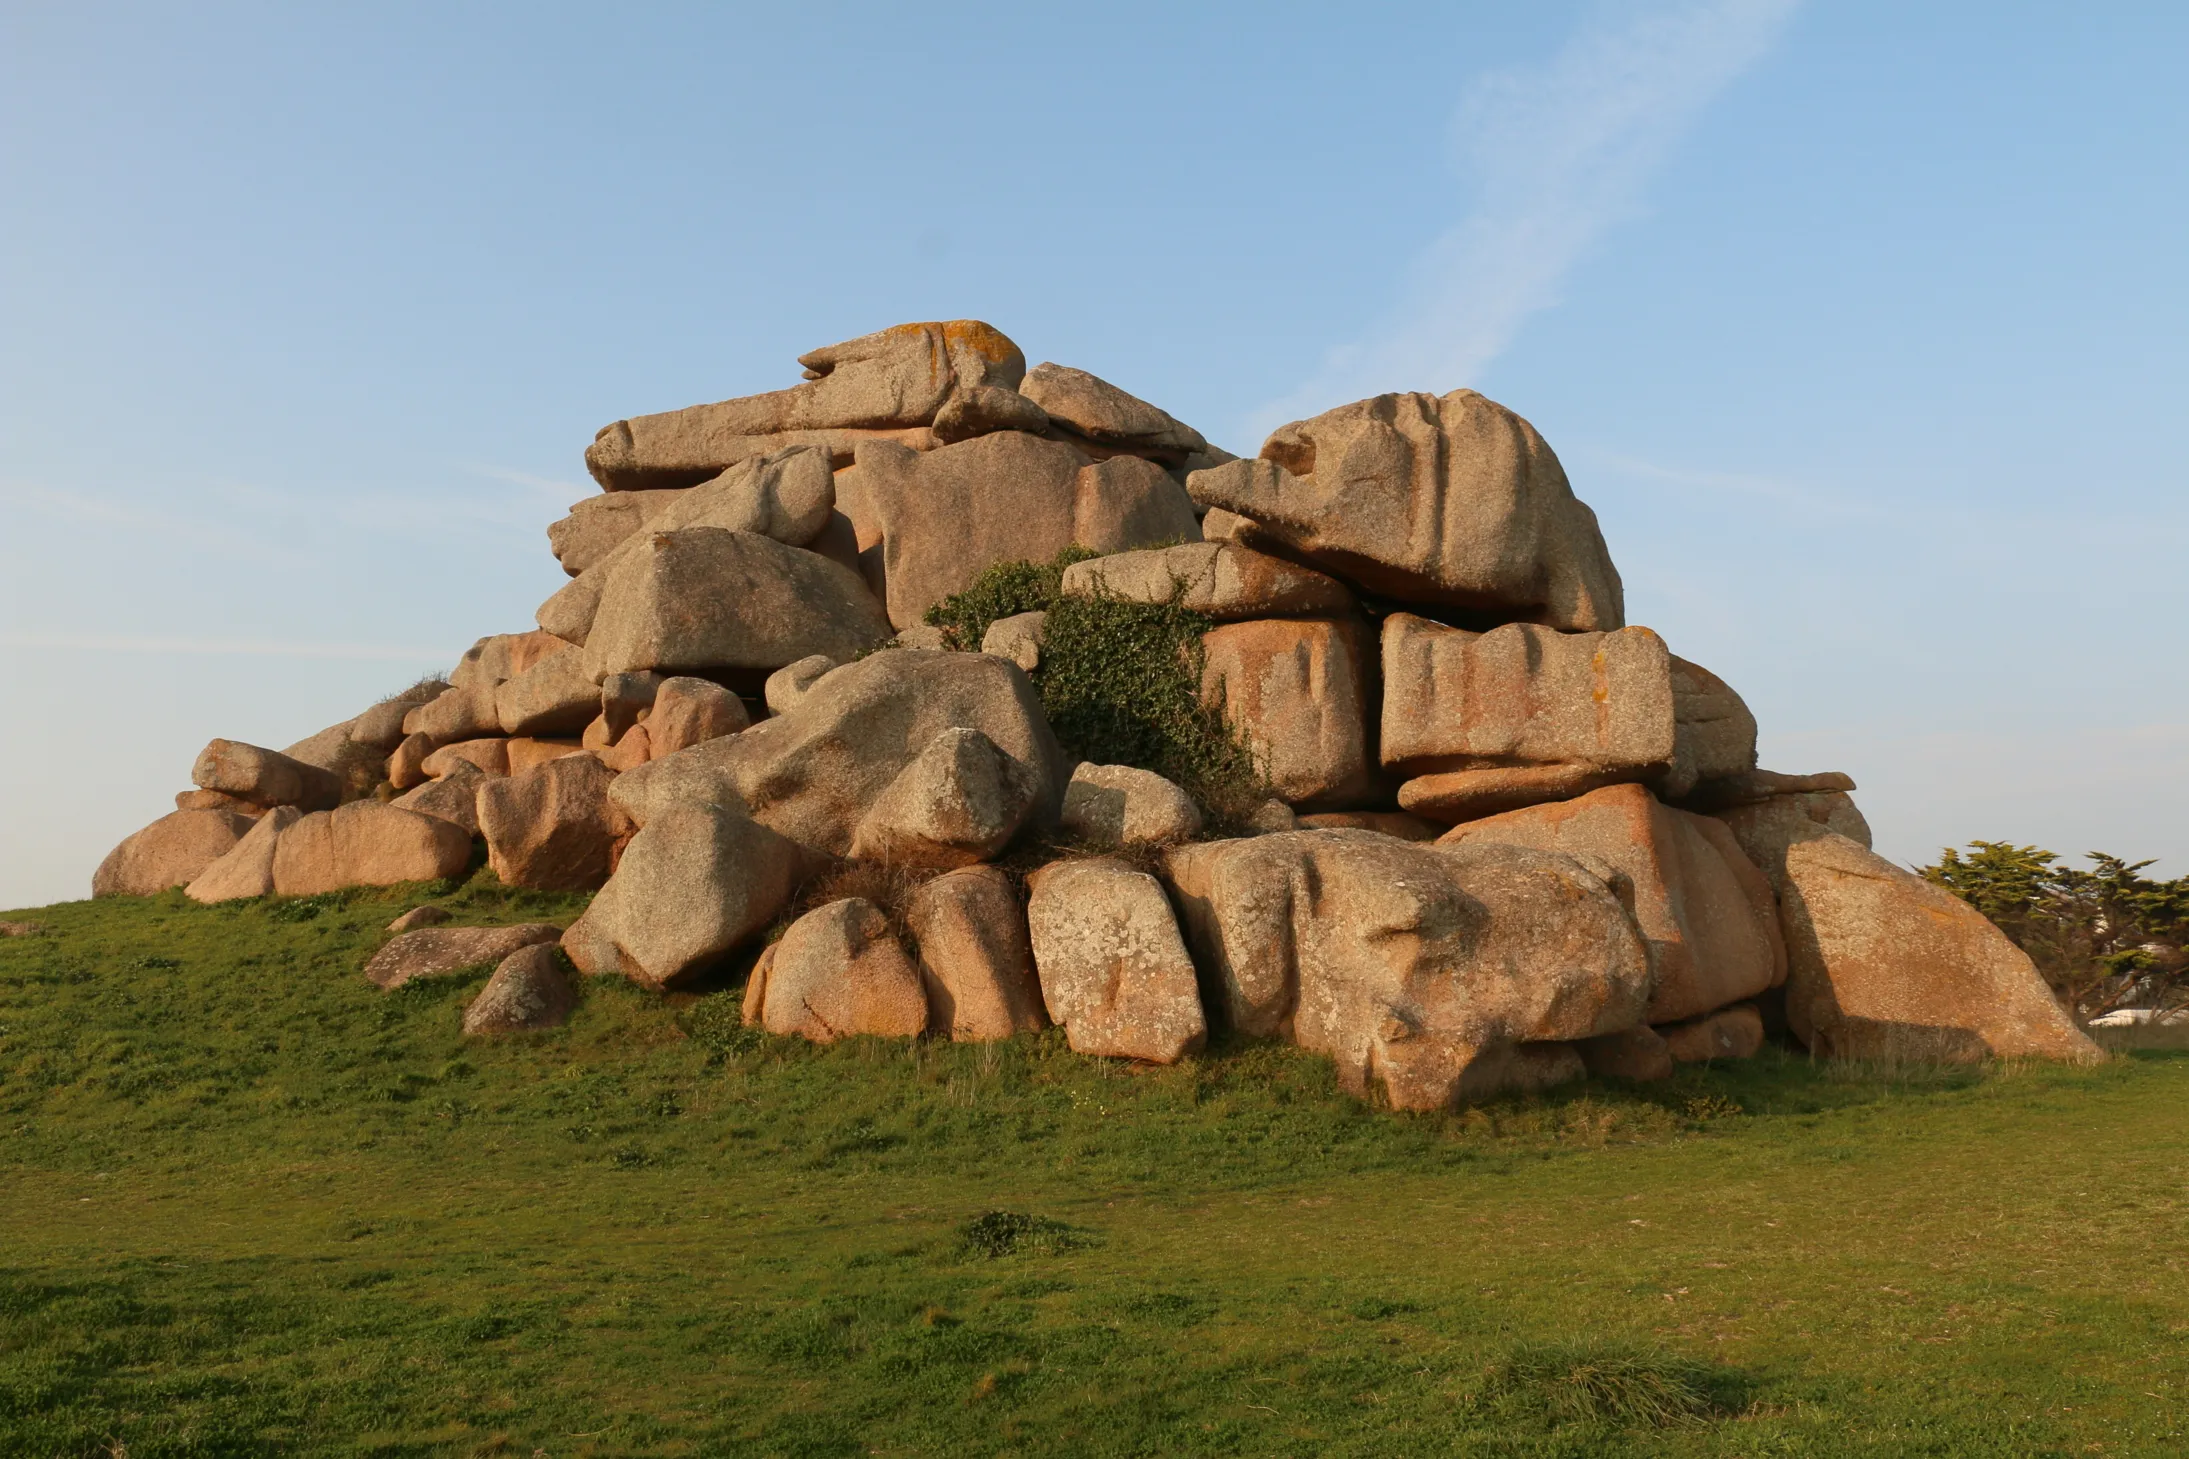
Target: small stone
pixel 1729 1033
pixel 433 952
pixel 1017 638
pixel 529 990
pixel 1122 805
pixel 425 916
pixel 1638 1053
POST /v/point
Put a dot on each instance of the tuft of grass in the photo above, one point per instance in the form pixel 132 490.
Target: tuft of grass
pixel 994 1234
pixel 1598 1383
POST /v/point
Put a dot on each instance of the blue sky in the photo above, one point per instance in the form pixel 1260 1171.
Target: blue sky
pixel 1861 326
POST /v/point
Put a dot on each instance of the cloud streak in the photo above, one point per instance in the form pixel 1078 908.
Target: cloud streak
pixel 1560 153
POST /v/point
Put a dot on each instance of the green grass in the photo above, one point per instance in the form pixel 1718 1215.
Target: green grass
pixel 248 1206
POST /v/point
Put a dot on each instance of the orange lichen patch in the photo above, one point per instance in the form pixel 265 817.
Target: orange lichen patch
pixel 989 342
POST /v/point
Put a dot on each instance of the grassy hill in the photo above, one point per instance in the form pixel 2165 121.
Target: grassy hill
pixel 249 1205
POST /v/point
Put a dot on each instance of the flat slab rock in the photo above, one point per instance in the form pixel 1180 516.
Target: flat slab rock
pixel 432 952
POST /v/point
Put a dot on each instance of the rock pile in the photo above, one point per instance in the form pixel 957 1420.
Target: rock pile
pixel 1508 837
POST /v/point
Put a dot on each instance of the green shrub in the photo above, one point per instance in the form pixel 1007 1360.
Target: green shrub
pixel 1120 682
pixel 996 1234
pixel 1603 1383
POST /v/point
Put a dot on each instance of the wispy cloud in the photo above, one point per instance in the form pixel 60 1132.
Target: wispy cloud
pixel 252 647
pixel 1560 152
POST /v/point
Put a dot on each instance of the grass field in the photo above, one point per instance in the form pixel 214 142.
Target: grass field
pixel 249 1205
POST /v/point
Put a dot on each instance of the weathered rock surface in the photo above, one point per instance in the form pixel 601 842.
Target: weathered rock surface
pixel 1090 406
pixel 599 524
pixel 498 658
pixel 985 409
pixel 458 714
pixel 406 767
pixel 1298 690
pixel 960 800
pixel 1452 796
pixel 217 800
pixel 1114 971
pixel 528 754
pixel 1754 787
pixel 1403 825
pixel 928 523
pixel 529 990
pixel 1018 638
pixel 367 844
pixel 1706 910
pixel 695 881
pixel 705 598
pixel 453 798
pixel 433 952
pixel 787 685
pixel 688 711
pixel 1427 969
pixel 1523 694
pixel 1122 805
pixel 1451 501
pixel 380 728
pixel 814 773
pixel 1638 1053
pixel 1714 734
pixel 552 827
pixel 173 851
pixel 1730 1033
pixel 1883 965
pixel 838 972
pixel 555 696
pixel 264 777
pixel 898 377
pixel 1766 828
pixel 247 870
pixel 1227 582
pixel 426 915
pixel 487 756
pixel 975 957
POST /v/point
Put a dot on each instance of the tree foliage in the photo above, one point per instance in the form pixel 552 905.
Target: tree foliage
pixel 2104 938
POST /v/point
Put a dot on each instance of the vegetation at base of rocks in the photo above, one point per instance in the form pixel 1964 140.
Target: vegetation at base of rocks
pixel 2105 938
pixel 1120 682
pixel 254 1206
pixel 1003 591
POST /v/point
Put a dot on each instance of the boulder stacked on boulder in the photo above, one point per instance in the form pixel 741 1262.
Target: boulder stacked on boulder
pixel 1498 837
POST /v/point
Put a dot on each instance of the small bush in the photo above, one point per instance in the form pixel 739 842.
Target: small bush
pixel 1002 591
pixel 996 1234
pixel 1120 682
pixel 717 1024
pixel 1599 1383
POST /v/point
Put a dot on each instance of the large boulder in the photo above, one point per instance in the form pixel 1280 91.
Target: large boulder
pixel 687 711
pixel 248 868
pixel 1714 733
pixel 1766 826
pixel 814 773
pixel 1883 965
pixel 460 713
pixel 928 523
pixel 1225 581
pixel 265 777
pixel 529 990
pixel 1299 692
pixel 705 598
pixel 488 756
pixel 499 657
pixel 1089 406
pixel 959 801
pixel 599 524
pixel 552 827
pixel 1435 971
pixel 173 851
pixel 838 972
pixel 435 952
pixel 1114 971
pixel 555 696
pixel 1706 910
pixel 1451 796
pixel 1123 805
pixel 366 843
pixel 786 496
pixel 1452 501
pixel 1524 694
pixel 698 879
pixel 975 957
pixel 453 798
pixel 897 378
